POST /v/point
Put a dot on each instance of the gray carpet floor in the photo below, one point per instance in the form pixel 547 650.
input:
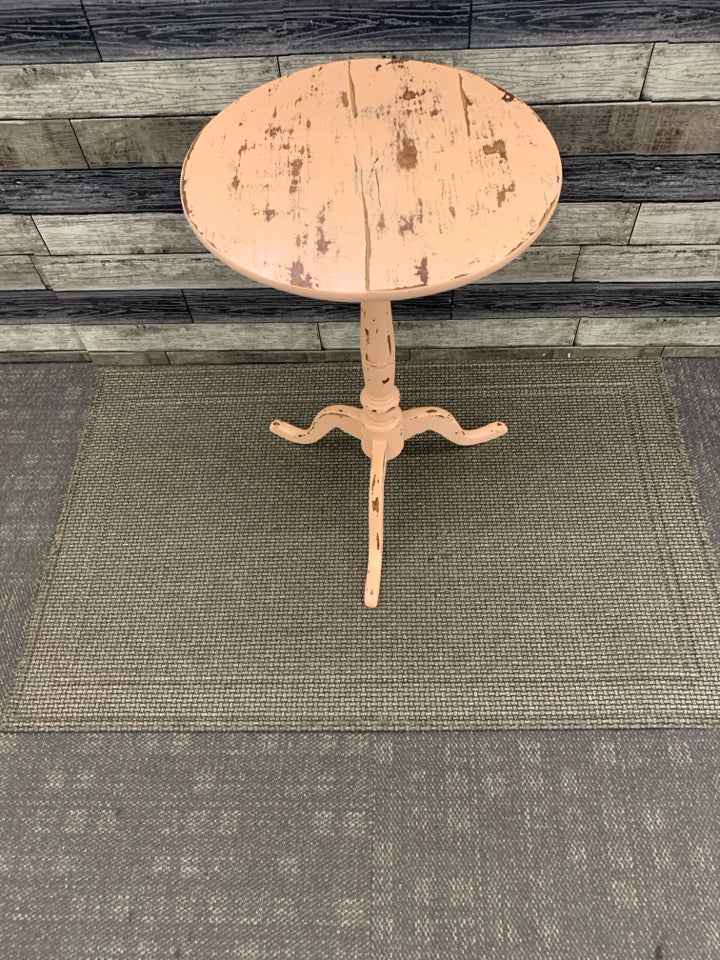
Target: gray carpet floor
pixel 566 845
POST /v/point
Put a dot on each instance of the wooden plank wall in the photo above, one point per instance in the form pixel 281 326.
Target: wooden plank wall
pixel 99 101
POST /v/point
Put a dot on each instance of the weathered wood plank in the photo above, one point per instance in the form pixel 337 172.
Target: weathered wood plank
pixel 468 354
pixel 587 299
pixel 139 88
pixel 181 28
pixel 268 356
pixel 677 223
pixel 577 223
pixel 47 306
pixel 691 351
pixel 642 128
pixel 161 271
pixel 461 333
pixel 205 336
pixel 538 265
pixel 139 141
pixel 503 22
pixel 39 145
pixel 266 303
pixel 145 189
pixel 683 71
pixel 117 190
pixel 657 330
pixel 117 234
pixel 18 234
pixel 648 264
pixel 40 336
pixel 18 273
pixel 534 74
pixel 665 179
pixel 44 356
pixel 46 30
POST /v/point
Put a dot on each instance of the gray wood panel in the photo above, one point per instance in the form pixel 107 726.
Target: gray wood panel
pixel 127 29
pixel 486 331
pixel 648 264
pixel 577 223
pixel 201 336
pixel 45 30
pixel 683 71
pixel 552 74
pixel 18 273
pixel 115 234
pixel 141 88
pixel 39 145
pixel 39 336
pixel 500 22
pixel 167 272
pixel 47 306
pixel 537 265
pixel 650 330
pixel 641 128
pixel 19 235
pixel 141 141
pixel 677 223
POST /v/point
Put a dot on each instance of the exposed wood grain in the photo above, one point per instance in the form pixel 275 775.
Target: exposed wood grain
pixel 535 74
pixel 683 71
pixel 47 306
pixel 116 190
pixel 117 234
pixel 46 30
pixel 682 178
pixel 39 145
pixel 266 303
pixel 657 330
pixel 205 336
pixel 139 88
pixel 40 336
pixel 538 265
pixel 181 28
pixel 169 272
pixel 461 333
pixel 649 264
pixel 140 141
pixel 576 223
pixel 19 235
pixel 18 273
pixel 124 190
pixel 584 299
pixel 677 223
pixel 642 128
pixel 501 22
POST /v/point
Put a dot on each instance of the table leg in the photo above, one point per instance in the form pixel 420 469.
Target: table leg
pixel 376 500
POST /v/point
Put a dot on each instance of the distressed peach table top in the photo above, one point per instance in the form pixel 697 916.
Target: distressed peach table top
pixel 371 179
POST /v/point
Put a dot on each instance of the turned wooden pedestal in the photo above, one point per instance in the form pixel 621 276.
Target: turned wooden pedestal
pixel 381 426
pixel 373 180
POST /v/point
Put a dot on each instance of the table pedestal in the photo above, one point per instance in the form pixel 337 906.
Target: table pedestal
pixel 381 426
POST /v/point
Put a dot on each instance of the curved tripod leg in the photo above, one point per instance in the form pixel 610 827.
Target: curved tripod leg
pixel 419 419
pixel 344 418
pixel 376 498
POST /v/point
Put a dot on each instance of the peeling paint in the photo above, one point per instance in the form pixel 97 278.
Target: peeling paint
pixel 407 154
pixel 422 270
pixel 296 276
pixel 503 192
pixel 465 104
pixel 497 146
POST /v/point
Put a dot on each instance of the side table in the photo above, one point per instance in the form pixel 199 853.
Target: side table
pixel 373 180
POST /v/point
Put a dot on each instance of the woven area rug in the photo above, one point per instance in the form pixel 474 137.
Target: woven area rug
pixel 209 575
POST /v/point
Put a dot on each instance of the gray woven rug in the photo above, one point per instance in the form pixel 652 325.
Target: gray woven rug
pixel 208 575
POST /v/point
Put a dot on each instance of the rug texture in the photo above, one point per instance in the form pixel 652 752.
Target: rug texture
pixel 207 574
pixel 503 845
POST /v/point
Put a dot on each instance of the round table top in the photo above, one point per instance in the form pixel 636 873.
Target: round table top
pixel 371 179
